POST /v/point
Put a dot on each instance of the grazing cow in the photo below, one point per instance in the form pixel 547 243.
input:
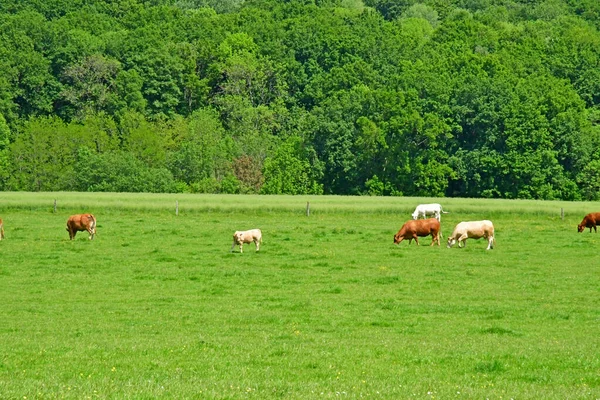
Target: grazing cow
pixel 472 230
pixel 241 237
pixel 81 222
pixel 421 227
pixel 1 229
pixel 424 210
pixel 589 221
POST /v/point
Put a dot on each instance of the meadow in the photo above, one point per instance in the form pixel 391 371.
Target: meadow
pixel 158 307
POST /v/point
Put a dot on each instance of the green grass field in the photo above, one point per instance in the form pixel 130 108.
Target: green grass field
pixel 158 307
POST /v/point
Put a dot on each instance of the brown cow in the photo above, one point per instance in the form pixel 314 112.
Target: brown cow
pixel 589 221
pixel 81 222
pixel 420 227
pixel 1 229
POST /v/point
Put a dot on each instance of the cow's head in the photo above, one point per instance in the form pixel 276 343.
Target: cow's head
pixel 580 228
pixel 451 242
pixel 239 236
pixel 398 237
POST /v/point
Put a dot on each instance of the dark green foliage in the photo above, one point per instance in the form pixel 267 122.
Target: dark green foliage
pixel 382 97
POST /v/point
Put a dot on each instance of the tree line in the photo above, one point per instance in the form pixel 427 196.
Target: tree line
pixel 487 98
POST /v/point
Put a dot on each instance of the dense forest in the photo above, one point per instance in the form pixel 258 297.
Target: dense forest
pixel 469 98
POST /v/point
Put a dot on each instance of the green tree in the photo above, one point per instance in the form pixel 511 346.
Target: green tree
pixel 204 151
pixel 43 156
pixel 90 84
pixel 288 172
pixel 5 166
pixel 119 171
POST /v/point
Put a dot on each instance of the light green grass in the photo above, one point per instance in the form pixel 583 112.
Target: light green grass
pixel 192 203
pixel 157 306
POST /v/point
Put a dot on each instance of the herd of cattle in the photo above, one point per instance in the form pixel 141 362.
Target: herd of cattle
pixel 464 230
pixel 431 226
pixel 412 229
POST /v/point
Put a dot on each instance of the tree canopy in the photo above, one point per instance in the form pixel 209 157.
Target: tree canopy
pixel 491 98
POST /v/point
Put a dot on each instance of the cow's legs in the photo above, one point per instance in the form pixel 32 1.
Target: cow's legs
pixel 490 242
pixel 435 237
pixel 241 244
pixel 91 234
pixel 257 245
pixel 416 240
pixel 462 239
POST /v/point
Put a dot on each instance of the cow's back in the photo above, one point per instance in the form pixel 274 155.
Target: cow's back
pixel 248 236
pixel 483 228
pixel 424 227
pixel 489 227
pixel 81 220
pixel 593 218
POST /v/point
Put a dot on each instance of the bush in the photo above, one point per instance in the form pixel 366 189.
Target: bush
pixel 119 171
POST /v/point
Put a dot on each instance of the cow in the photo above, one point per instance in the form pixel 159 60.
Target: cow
pixel 472 230
pixel 589 221
pixel 424 210
pixel 81 222
pixel 241 237
pixel 1 229
pixel 421 227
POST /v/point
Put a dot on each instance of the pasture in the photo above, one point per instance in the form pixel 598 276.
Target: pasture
pixel 157 306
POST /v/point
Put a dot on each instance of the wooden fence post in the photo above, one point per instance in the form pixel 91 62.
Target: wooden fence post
pixel 562 213
pixel 54 206
pixel 176 207
pixel 307 209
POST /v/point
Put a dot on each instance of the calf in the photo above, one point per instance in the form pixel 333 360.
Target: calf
pixel 472 230
pixel 589 221
pixel 241 237
pixel 81 222
pixel 420 227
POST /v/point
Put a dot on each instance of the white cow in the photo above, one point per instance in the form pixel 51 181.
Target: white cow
pixel 241 237
pixel 425 210
pixel 472 230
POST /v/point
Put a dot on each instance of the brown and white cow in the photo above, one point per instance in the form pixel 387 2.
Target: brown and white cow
pixel 1 229
pixel 420 227
pixel 589 221
pixel 241 237
pixel 81 222
pixel 472 230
